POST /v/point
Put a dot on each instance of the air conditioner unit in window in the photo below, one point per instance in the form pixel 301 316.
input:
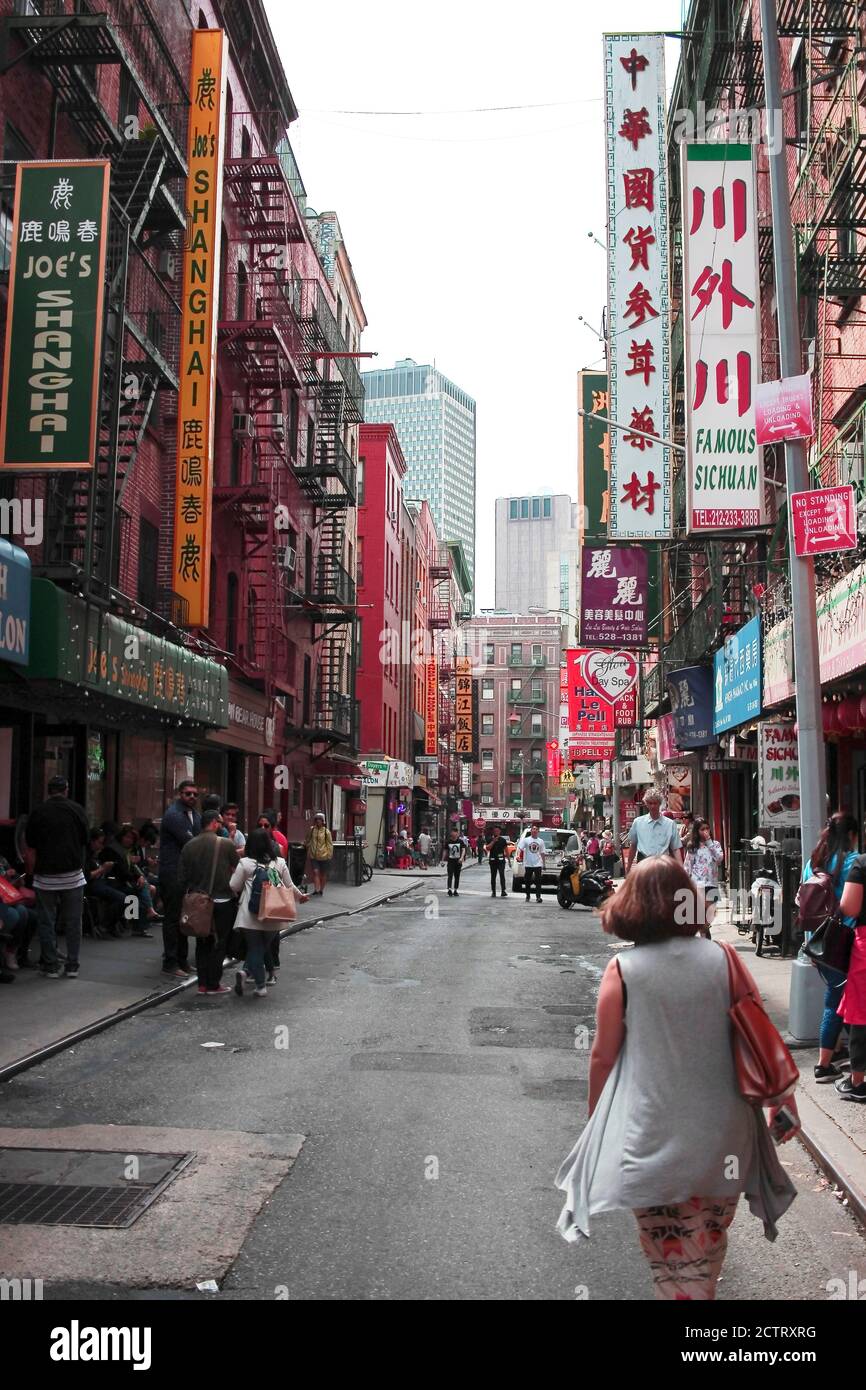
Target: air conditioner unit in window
pixel 166 264
pixel 288 557
pixel 487 801
pixel 242 426
pixel 278 428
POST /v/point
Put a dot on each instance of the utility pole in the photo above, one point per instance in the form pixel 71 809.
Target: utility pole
pixel 804 618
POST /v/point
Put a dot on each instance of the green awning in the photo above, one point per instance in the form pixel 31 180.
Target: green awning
pixel 82 646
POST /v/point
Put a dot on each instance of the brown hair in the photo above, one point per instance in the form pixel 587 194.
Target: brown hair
pixel 657 901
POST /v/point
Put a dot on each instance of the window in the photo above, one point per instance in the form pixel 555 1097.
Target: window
pixel 524 508
pixel 487 688
pixel 536 506
pixel 535 725
pixel 537 654
pixel 516 790
pixel 359 575
pixel 487 793
pixel 232 613
pixel 512 509
pixel 546 501
pixel 14 149
pixel 148 556
pixel 487 723
pixel 516 653
pixel 516 684
pixel 293 424
pixel 360 479
pixel 537 690
pixel 487 759
pixel 489 653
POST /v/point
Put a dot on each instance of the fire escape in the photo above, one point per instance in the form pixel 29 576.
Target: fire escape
pixel 260 340
pixel 85 514
pixel 327 476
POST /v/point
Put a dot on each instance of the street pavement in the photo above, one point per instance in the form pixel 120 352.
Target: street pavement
pixel 420 1058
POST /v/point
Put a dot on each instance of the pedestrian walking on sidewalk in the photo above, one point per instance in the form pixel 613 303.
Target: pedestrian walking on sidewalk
pixel 58 832
pixel 320 848
pixel 653 834
pixel 180 823
pixel 498 854
pixel 853 1005
pixel 453 856
pixel 195 871
pixel 425 848
pixel 702 859
pixel 260 856
pixel 533 863
pixel 669 1135
pixel 835 854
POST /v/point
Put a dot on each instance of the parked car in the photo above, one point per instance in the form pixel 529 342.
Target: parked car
pixel 557 843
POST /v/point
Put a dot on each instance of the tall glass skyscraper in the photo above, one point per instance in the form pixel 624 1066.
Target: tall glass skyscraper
pixel 435 422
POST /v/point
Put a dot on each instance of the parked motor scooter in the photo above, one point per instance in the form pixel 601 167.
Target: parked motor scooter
pixel 586 887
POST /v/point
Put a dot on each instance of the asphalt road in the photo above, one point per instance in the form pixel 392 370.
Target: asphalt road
pixel 426 1049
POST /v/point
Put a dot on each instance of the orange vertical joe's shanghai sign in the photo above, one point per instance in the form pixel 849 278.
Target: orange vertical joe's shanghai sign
pixel 201 260
pixel 431 721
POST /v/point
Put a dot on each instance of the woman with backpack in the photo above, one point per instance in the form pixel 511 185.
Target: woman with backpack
pixel 259 865
pixel 828 868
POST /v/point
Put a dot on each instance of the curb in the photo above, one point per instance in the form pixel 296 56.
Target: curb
pixel 43 1054
pixel 838 1176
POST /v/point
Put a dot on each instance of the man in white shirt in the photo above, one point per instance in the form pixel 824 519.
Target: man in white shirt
pixel 533 862
pixel 425 845
pixel 653 834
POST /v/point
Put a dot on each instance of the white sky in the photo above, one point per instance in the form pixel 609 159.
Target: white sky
pixel 468 232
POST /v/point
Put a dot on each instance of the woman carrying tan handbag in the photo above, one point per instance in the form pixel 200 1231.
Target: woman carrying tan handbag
pixel 267 896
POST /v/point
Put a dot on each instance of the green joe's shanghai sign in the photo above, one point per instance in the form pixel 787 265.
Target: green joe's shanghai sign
pixel 51 372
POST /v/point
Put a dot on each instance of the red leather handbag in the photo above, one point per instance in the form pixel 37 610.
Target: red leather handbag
pixel 766 1071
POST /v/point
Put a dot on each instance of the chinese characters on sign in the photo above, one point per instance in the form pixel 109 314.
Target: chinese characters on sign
pixel 638 304
pixel 737 678
pixel 593 457
pixel 614 596
pixel 590 715
pixel 431 706
pixel 778 775
pixel 465 710
pixel 824 520
pixel 54 318
pixel 721 318
pixel 196 400
pixel 691 696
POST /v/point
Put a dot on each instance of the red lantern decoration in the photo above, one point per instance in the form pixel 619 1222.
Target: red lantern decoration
pixel 848 713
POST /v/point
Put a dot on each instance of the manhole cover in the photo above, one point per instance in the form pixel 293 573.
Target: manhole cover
pixel 82 1187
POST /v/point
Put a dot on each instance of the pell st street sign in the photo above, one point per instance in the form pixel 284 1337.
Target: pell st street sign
pixel 51 373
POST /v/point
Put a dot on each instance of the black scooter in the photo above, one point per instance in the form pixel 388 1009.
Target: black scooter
pixel 586 887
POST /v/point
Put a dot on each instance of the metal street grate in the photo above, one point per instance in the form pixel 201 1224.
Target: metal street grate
pixel 113 1202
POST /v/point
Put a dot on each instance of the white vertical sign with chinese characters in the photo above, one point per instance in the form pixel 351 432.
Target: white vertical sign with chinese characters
pixel 637 286
pixel 722 326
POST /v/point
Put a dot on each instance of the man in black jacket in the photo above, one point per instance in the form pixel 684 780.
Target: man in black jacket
pixel 58 832
pixel 498 854
pixel 180 823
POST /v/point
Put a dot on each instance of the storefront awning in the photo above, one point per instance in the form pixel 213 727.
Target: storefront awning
pixel 95 652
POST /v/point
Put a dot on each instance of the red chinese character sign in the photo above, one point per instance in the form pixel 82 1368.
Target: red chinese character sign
pixel 637 294
pixel 614 596
pixel 721 323
pixel 824 520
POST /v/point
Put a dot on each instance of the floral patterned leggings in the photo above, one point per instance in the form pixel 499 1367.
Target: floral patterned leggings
pixel 686 1245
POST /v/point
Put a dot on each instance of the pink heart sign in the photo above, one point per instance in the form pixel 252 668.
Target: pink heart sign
pixel 610 674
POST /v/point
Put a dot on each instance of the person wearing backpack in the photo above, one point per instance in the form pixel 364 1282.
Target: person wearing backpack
pixel 827 871
pixel 253 871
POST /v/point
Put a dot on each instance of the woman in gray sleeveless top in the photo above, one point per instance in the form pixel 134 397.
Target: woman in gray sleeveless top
pixel 669 1134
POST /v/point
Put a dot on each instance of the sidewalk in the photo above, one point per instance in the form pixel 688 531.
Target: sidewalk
pixel 834 1130
pixel 39 1017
